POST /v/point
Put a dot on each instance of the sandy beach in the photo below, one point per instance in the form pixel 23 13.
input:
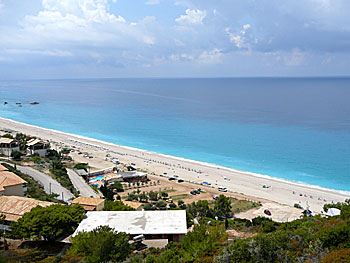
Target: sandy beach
pixel 255 187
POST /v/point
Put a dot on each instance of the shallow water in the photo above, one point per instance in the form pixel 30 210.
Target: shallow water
pixel 292 128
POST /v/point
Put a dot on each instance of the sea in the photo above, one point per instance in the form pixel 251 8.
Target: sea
pixel 296 129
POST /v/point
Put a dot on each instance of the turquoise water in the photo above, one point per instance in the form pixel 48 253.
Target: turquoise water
pixel 295 129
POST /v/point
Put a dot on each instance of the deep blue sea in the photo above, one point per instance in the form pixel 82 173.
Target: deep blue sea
pixel 292 128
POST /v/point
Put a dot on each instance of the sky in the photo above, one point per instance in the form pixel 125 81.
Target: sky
pixel 53 39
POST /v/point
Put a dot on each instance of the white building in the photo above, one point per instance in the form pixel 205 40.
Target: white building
pixel 169 224
pixel 36 146
pixel 8 145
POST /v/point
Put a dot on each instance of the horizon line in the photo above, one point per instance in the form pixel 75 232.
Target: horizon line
pixel 222 77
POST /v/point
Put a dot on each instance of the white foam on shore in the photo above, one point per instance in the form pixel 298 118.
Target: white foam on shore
pixel 268 177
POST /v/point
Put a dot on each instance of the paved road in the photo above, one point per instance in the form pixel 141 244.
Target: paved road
pixel 47 182
pixel 81 185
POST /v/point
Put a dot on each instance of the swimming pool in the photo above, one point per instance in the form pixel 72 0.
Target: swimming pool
pixel 98 178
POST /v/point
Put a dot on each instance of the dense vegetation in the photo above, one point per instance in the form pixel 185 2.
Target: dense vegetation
pixel 49 223
pixel 83 166
pixel 59 173
pixel 34 189
pixel 310 239
pixel 102 244
pixel 116 206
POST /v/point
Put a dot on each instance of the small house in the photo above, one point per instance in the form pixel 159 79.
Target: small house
pixel 36 146
pixel 14 207
pixel 11 184
pixel 90 203
pixel 8 145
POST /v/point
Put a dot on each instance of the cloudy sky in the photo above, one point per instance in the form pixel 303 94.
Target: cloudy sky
pixel 173 38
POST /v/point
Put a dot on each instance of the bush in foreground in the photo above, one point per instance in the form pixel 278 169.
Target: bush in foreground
pixel 102 244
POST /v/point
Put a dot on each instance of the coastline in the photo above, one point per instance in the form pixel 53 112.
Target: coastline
pixel 246 183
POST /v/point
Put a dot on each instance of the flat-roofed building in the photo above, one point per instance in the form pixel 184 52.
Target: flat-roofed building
pixel 36 146
pixel 8 145
pixel 90 203
pixel 14 207
pixel 169 224
pixel 11 184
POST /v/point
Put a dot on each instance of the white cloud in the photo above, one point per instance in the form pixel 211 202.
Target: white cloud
pixel 89 10
pixel 149 40
pixel 239 39
pixel 295 58
pixel 193 16
pixel 245 28
pixel 211 57
pixel 88 21
pixel 54 52
pixel 152 2
pixel 181 57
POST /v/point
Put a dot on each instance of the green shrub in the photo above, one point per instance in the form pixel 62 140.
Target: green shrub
pixel 16 155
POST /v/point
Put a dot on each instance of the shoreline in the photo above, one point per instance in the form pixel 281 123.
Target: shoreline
pixel 213 169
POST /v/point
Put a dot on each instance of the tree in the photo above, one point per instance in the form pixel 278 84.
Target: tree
pixel 118 186
pixel 149 207
pixel 16 155
pixel 161 204
pixel 164 195
pixel 143 197
pixel 57 165
pixel 102 244
pixel 181 204
pixel 107 192
pixel 200 208
pixel 222 205
pixel 49 222
pixel 132 197
pixel 116 206
pixel 7 135
pixel 53 155
pixel 130 168
pixel 172 205
pixel 153 196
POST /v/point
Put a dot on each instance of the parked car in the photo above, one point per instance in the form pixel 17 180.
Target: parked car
pixel 267 212
pixel 180 181
pixel 222 189
pixel 171 179
pixel 215 196
pixel 141 246
pixel 206 183
pixel 193 192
